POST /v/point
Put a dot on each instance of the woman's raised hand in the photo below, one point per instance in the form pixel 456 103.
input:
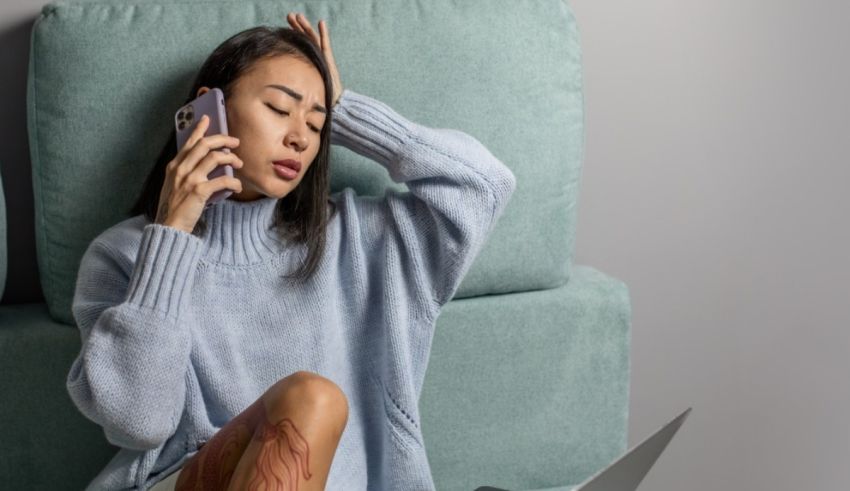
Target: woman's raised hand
pixel 186 188
pixel 323 41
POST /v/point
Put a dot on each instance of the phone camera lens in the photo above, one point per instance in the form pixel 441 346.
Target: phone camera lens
pixel 180 115
pixel 189 116
pixel 181 125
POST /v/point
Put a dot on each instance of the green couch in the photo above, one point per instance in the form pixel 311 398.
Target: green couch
pixel 528 381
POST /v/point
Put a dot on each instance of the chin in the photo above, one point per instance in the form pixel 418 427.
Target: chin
pixel 284 189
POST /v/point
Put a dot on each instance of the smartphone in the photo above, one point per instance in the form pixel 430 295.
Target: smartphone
pixel 186 119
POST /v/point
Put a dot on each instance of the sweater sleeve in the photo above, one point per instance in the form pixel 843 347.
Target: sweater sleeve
pixel 129 376
pixel 457 192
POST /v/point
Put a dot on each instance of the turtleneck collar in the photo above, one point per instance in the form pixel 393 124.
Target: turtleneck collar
pixel 240 232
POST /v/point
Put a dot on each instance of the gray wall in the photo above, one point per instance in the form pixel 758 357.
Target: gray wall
pixel 715 185
pixel 716 156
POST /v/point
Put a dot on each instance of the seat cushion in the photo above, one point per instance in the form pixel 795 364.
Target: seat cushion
pixel 529 390
pixel 101 97
pixel 522 391
pixel 48 443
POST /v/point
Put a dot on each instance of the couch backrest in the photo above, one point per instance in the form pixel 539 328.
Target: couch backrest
pixel 106 76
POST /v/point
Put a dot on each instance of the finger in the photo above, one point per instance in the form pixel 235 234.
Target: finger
pixel 308 28
pixel 207 188
pixel 326 39
pixel 302 19
pixel 292 20
pixel 219 141
pixel 211 162
pixel 296 24
pixel 196 134
pixel 201 148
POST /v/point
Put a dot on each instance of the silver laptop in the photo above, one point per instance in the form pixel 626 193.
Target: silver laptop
pixel 625 473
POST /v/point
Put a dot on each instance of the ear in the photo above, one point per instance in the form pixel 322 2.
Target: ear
pixel 202 91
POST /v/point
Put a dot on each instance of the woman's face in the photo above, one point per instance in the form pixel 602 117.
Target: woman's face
pixel 295 88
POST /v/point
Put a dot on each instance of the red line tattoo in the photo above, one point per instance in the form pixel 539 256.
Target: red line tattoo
pixel 283 451
pixel 213 466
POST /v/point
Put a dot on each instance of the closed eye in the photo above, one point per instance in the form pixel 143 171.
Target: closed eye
pixel 315 130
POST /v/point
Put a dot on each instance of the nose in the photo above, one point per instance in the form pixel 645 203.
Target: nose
pixel 296 140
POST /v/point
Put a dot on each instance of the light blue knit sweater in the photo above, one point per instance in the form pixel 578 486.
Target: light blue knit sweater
pixel 180 333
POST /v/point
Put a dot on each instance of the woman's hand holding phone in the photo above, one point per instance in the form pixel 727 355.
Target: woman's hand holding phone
pixel 186 189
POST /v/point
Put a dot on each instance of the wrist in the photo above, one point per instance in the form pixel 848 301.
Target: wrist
pixel 176 226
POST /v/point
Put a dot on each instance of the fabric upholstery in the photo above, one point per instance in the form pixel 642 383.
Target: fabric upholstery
pixel 523 391
pixel 96 125
pixel 520 355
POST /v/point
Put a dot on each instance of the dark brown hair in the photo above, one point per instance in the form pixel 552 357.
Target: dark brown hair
pixel 302 215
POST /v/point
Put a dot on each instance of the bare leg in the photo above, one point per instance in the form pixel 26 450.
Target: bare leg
pixel 285 440
pixel 296 439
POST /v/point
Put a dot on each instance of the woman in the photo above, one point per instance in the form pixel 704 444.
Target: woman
pixel 206 359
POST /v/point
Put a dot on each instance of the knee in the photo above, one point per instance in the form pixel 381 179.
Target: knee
pixel 315 390
pixel 312 393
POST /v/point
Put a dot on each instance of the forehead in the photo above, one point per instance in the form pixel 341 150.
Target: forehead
pixel 291 71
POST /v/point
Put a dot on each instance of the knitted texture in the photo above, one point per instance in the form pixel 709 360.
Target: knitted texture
pixel 180 333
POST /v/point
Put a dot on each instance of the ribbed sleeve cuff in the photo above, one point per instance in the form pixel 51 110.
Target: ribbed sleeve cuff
pixel 165 269
pixel 369 127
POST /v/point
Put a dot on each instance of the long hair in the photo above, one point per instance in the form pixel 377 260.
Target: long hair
pixel 302 215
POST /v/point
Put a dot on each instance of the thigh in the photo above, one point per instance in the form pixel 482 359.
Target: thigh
pixel 212 467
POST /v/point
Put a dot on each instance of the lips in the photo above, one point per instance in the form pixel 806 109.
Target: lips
pixel 292 164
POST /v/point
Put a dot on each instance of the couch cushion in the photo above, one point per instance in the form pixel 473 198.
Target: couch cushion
pixel 48 443
pixel 549 369
pixel 529 390
pixel 101 96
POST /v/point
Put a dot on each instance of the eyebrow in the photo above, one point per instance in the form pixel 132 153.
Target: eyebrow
pixel 296 95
